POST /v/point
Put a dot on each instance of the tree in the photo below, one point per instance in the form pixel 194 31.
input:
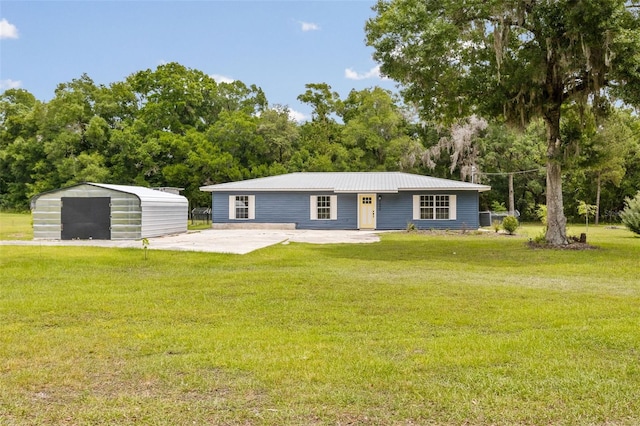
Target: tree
pixel 598 148
pixel 236 96
pixel 321 137
pixel 280 134
pixel 586 210
pixel 373 125
pixel 73 137
pixel 631 181
pixel 609 149
pixel 460 143
pixel 513 58
pixel 518 155
pixel 236 133
pixel 19 147
pixel 174 98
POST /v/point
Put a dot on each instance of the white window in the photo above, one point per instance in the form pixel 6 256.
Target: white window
pixel 434 207
pixel 323 207
pixel 242 207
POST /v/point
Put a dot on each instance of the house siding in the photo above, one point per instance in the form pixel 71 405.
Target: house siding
pixel 286 208
pixel 393 211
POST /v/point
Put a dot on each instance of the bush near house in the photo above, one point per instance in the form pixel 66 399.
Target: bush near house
pixel 510 224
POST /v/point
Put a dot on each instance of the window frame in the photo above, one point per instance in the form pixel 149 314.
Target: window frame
pixel 434 207
pixel 250 207
pixel 323 207
pixel 318 207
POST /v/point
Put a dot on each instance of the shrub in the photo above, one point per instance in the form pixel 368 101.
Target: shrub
pixel 496 225
pixel 498 207
pixel 510 224
pixel 540 239
pixel 541 212
pixel 631 214
pixel 411 227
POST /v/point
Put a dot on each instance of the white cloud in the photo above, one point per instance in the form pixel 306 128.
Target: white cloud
pixel 308 26
pixel 297 116
pixel 351 74
pixel 9 84
pixel 8 30
pixel 222 78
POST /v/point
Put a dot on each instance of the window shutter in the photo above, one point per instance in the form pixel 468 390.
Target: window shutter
pixel 416 207
pixel 232 206
pixel 334 207
pixel 453 210
pixel 313 207
pixel 252 206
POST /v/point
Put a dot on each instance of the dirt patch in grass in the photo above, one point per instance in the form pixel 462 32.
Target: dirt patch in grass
pixel 574 242
pixel 462 233
pixel 573 245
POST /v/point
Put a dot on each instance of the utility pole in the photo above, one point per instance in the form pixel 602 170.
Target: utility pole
pixel 512 207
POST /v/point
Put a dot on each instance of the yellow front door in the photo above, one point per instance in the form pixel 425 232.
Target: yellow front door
pixel 367 211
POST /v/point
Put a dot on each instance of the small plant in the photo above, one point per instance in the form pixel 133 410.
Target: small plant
pixel 510 224
pixel 540 239
pixel 496 225
pixel 145 246
pixel 631 214
pixel 541 212
pixel 411 227
pixel 586 210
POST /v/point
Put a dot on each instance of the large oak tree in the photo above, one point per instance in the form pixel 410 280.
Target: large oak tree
pixel 514 58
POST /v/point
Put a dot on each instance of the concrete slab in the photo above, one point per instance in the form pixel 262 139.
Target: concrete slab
pixel 236 241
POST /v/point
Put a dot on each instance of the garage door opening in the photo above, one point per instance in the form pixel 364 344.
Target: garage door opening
pixel 86 218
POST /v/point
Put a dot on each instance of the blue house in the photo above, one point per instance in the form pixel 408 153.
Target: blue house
pixel 347 200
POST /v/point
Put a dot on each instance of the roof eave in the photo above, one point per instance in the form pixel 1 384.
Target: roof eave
pixel 342 191
pixel 478 188
pixel 240 189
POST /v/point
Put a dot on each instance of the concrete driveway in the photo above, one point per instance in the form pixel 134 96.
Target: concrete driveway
pixel 236 241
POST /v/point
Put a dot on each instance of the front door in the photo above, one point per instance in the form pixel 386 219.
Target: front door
pixel 367 211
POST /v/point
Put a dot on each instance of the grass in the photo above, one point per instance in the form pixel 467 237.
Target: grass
pixel 15 226
pixel 198 225
pixel 418 329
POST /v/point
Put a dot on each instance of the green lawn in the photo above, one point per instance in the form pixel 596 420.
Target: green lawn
pixel 418 329
pixel 15 226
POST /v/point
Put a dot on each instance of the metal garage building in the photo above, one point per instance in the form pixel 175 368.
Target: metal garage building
pixel 107 212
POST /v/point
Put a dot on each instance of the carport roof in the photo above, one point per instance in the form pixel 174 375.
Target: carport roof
pixel 144 194
pixel 347 182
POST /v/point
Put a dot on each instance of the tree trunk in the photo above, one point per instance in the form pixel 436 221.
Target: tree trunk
pixel 512 204
pixel 556 221
pixel 599 182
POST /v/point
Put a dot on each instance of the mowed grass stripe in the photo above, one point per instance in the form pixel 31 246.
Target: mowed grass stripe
pixel 416 329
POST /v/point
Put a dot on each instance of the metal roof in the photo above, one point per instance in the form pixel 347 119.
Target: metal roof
pixel 378 182
pixel 146 195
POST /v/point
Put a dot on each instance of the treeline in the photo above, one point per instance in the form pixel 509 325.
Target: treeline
pixel 175 126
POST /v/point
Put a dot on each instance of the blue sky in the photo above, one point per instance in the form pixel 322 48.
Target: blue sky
pixel 277 45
